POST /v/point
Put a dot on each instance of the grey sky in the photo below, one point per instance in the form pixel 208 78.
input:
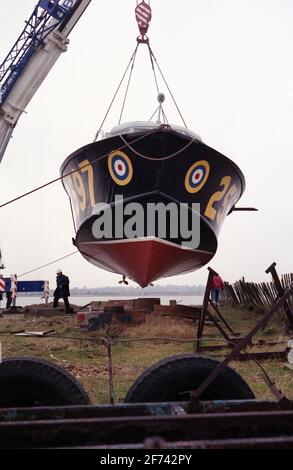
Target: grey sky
pixel 230 66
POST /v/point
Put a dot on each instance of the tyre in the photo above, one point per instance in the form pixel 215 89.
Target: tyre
pixel 30 382
pixel 172 379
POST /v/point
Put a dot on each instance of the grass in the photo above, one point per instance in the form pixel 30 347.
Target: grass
pixel 88 362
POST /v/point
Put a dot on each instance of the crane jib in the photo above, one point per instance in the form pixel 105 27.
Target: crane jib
pixel 47 16
pixel 57 9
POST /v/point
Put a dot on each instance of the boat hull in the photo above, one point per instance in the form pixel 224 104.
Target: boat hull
pixel 144 260
pixel 164 168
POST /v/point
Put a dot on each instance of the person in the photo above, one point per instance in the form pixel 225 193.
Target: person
pixel 62 291
pixel 8 300
pixel 217 285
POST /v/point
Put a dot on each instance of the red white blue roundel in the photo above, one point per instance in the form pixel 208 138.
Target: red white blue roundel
pixel 120 168
pixel 197 176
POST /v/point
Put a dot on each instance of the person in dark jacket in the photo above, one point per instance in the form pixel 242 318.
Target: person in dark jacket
pixel 62 291
pixel 8 300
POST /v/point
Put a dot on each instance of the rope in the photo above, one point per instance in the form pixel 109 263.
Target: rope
pixel 154 70
pixel 33 191
pixel 164 116
pixel 160 108
pixel 166 83
pixel 153 131
pixel 128 85
pixel 163 158
pixel 72 214
pixel 116 93
pixel 150 120
pixel 48 264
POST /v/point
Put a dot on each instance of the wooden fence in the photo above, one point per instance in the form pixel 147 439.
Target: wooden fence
pixel 256 296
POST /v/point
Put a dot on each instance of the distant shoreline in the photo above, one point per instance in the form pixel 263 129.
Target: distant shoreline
pixel 155 294
pixel 129 291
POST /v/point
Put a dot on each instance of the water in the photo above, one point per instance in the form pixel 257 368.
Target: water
pixel 83 300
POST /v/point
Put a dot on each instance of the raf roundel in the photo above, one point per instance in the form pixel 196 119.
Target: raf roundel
pixel 197 176
pixel 120 168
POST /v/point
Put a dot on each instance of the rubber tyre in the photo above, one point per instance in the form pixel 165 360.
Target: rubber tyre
pixel 172 379
pixel 31 382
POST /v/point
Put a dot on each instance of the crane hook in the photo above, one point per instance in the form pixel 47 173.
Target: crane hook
pixel 143 14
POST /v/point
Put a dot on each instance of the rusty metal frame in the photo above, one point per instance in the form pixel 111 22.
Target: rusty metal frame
pixel 284 442
pixel 222 319
pixel 242 344
pixel 281 291
pixel 206 314
pixel 158 425
pixel 237 344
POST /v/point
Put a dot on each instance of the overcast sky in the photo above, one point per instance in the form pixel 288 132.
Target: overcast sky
pixel 230 66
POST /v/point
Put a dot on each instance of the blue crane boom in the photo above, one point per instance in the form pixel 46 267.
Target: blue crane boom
pixel 46 16
pixel 32 57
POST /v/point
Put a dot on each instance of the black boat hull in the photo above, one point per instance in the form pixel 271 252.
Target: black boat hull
pixel 148 168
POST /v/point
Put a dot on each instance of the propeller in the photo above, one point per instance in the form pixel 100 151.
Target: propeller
pixel 124 281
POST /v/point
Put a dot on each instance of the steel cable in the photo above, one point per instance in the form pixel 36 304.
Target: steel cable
pixel 166 83
pixel 116 93
pixel 128 84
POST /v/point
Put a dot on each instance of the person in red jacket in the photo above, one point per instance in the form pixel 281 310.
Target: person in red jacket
pixel 218 284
